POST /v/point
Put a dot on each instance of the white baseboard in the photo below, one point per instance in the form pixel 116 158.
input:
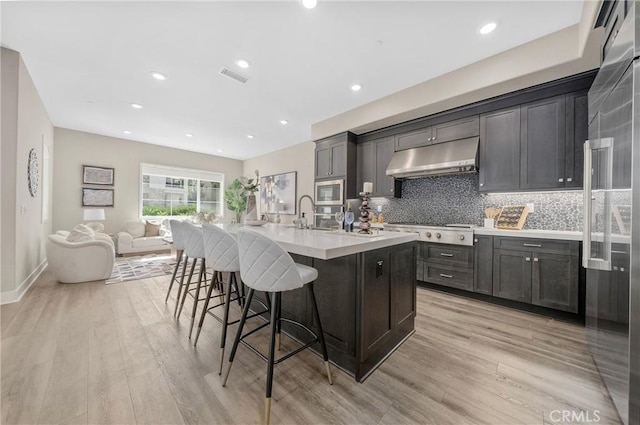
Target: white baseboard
pixel 16 295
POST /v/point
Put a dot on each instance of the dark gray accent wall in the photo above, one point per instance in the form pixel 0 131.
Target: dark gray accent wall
pixel 456 199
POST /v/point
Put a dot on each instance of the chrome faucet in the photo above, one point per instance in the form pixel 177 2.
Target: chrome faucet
pixel 299 221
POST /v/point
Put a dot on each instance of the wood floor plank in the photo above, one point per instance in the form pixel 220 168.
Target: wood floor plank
pixel 152 400
pixel 22 405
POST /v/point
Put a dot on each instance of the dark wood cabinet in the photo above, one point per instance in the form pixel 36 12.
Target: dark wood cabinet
pixel 554 281
pixel 483 264
pixel 456 130
pixel 542 144
pixel 577 126
pixel 512 275
pixel 413 139
pixel 335 158
pixel 373 160
pixel 541 272
pixel 447 265
pixel 500 150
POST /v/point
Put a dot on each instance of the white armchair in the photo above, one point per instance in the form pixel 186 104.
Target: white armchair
pixel 73 262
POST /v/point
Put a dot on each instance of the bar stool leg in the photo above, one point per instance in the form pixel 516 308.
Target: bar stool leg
pixel 205 307
pixel 185 287
pixel 275 304
pixel 197 296
pixel 173 276
pixel 278 322
pixel 225 321
pixel 323 346
pixel 236 341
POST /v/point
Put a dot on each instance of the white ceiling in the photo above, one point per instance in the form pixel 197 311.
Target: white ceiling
pixel 90 60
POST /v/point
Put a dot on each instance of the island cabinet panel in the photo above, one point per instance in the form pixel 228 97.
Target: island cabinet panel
pixel 512 275
pixel 483 265
pixel 542 144
pixel 388 302
pixel 499 156
pixel 555 281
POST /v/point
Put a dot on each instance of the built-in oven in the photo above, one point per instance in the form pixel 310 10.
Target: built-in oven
pixel 329 192
pixel 325 216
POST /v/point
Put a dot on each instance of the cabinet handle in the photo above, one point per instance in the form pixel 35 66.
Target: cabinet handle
pixel 391 190
pixel 444 254
pixel 434 138
pixel 527 259
pixel 560 180
pixel 481 184
pixel 428 139
pixel 475 240
pixel 535 259
pixel 533 245
pixel 379 268
pixel 569 179
pixel 448 276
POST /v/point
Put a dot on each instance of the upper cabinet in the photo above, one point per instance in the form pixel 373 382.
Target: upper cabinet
pixel 373 160
pixel 439 133
pixel 500 150
pixel 542 144
pixel 577 126
pixel 336 159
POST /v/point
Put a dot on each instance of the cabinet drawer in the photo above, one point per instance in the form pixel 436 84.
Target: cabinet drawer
pixel 449 276
pixel 537 245
pixel 458 256
pixel 413 139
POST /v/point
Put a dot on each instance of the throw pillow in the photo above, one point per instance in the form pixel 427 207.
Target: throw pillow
pixel 151 229
pixel 136 229
pixel 81 233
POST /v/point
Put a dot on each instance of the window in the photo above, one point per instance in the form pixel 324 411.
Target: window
pixel 171 191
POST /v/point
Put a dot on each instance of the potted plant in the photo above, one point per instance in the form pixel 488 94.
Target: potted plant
pixel 235 198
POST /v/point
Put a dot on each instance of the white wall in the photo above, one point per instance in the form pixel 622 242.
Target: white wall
pixel 75 149
pixel 25 126
pixel 299 158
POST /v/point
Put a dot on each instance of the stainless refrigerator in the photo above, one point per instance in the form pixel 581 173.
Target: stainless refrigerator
pixel 611 245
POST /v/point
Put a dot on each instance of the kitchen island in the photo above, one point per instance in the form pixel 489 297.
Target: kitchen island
pixel 366 292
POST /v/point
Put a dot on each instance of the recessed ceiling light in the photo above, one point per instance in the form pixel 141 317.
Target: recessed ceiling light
pixel 242 63
pixel 309 4
pixel 284 122
pixel 188 134
pixel 356 87
pixel 486 29
pixel 136 106
pixel 220 150
pixel 158 76
pixel 126 132
pixel 250 136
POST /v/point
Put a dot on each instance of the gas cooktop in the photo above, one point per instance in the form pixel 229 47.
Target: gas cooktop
pixel 453 234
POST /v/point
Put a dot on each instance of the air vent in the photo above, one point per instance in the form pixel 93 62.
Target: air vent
pixel 233 75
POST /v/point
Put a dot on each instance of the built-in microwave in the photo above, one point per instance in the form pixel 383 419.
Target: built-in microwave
pixel 329 192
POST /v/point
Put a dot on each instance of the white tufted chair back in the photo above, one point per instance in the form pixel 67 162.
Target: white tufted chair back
pixel 193 241
pixel 177 233
pixel 265 265
pixel 220 249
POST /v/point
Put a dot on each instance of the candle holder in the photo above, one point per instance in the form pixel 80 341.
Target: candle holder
pixel 364 213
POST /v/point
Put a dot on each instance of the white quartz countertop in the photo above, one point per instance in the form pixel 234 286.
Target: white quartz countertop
pixel 323 244
pixel 540 234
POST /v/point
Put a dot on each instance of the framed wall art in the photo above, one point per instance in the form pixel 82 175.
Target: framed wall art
pixel 97 197
pixel 97 175
pixel 278 193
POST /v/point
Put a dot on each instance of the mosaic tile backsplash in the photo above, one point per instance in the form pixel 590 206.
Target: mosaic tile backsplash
pixel 456 199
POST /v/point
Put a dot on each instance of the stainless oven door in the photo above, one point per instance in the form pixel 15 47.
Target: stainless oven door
pixel 324 217
pixel 329 192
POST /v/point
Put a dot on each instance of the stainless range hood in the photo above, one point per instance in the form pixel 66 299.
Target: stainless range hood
pixel 460 156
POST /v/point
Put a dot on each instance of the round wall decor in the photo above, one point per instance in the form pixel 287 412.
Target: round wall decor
pixel 33 173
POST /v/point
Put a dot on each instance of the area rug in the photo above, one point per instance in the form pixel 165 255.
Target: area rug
pixel 134 268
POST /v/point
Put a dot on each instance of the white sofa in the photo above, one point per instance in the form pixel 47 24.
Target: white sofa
pixel 73 262
pixel 133 240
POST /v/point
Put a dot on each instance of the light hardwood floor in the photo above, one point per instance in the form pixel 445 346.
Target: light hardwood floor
pixel 113 354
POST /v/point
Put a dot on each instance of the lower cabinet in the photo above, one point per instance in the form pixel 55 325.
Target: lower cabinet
pixel 448 265
pixel 554 281
pixel 483 264
pixel 512 275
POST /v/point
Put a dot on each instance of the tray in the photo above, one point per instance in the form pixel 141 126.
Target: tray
pixel 512 217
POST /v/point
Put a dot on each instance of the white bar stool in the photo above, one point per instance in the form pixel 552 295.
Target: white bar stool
pixel 221 255
pixel 178 243
pixel 266 266
pixel 194 249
